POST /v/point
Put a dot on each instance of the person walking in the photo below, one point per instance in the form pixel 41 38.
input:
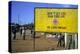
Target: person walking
pixel 14 32
pixel 59 40
pixel 24 32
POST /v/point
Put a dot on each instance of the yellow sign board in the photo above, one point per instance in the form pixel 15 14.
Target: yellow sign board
pixel 56 20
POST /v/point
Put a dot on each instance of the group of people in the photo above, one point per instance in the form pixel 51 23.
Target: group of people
pixel 15 32
pixel 22 32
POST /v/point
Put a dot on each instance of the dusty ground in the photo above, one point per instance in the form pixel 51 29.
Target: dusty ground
pixel 41 44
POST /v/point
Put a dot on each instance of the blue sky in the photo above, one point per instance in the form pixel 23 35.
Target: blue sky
pixel 24 11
